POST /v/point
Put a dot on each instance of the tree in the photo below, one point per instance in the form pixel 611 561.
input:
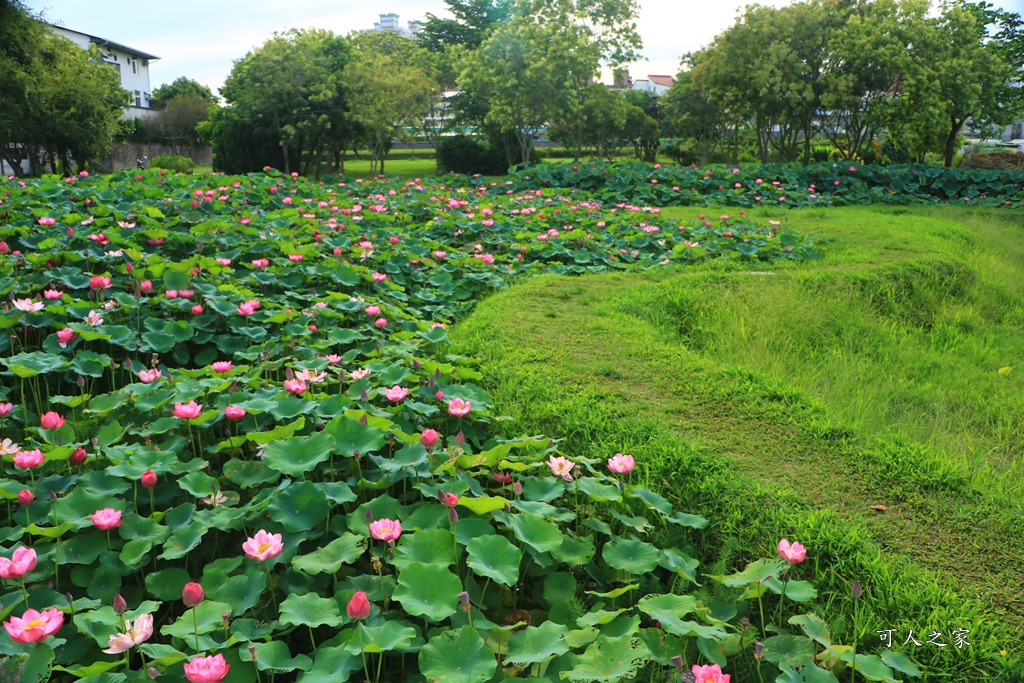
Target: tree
pixel 474 20
pixel 694 113
pixel 179 117
pixel 59 104
pixel 181 86
pixel 386 90
pixel 292 85
pixel 956 72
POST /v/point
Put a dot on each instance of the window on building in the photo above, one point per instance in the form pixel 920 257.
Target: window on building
pixel 135 66
pixel 138 98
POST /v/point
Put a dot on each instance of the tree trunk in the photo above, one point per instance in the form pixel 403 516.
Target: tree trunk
pixel 954 131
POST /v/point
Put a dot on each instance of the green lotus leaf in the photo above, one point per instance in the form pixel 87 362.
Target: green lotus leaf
pixel 535 531
pixel 376 639
pixel 635 557
pixel 495 558
pixel 457 657
pixel 537 644
pixel 274 656
pixel 343 550
pixel 430 546
pixel 310 610
pixel 205 617
pixel 300 507
pixel 332 665
pixel 598 492
pixel 788 649
pixel 428 590
pixel 609 659
pixel 298 455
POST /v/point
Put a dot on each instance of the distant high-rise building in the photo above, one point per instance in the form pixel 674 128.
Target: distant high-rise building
pixel 389 24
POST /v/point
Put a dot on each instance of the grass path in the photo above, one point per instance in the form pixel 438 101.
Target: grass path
pixel 574 359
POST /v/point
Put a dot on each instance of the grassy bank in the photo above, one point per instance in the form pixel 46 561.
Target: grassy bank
pixel 856 404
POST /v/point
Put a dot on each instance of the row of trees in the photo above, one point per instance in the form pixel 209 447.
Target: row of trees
pixel 59 104
pixel 847 70
pixel 305 97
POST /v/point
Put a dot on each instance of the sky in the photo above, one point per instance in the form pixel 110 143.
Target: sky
pixel 200 39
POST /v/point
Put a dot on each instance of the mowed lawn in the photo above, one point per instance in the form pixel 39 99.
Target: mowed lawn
pixel 869 405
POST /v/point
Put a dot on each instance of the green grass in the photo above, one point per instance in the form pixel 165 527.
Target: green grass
pixel 854 404
pixel 404 168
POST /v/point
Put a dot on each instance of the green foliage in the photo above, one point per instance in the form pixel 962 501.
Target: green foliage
pixel 463 154
pixel 181 87
pixel 176 163
pixel 61 103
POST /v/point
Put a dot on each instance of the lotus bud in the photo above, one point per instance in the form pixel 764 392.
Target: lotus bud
pixel 369 515
pixel 453 516
pixel 192 594
pixel 129 364
pixel 464 600
pixel 431 384
pixel 148 479
pixel 758 650
pixel 359 606
pixel 25 497
pixel 416 365
pixel 460 438
pixel 119 605
pixel 80 381
pixel 363 396
pixel 94 441
pixel 362 420
pixel 517 488
pixel 677 662
pixel 53 497
pixel 856 590
pixel 153 673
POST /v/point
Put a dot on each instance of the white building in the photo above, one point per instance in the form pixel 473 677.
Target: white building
pixel 131 64
pixel 389 24
pixel 659 85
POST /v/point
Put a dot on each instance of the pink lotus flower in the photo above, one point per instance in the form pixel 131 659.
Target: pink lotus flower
pixel 234 412
pixel 65 337
pixel 29 306
pixel 459 408
pixel 440 254
pixel 396 393
pixel 107 518
pixel 149 376
pixel 429 438
pixel 5 409
pixel 186 293
pixel 561 467
pixel 78 457
pixel 333 358
pixel 380 323
pixel 449 500
pixel 263 546
pixel 148 479
pixel 248 307
pixel 145 286
pixel 33 626
pixel 51 420
pixel 359 606
pixel 197 310
pixel 22 562
pixel 710 673
pixel 137 633
pixel 223 261
pixel 373 310
pixel 187 411
pixel 361 373
pixel 386 529
pixel 52 294
pixel 93 318
pixel 47 221
pixel 296 258
pixel 207 669
pixel 621 464
pixel 221 366
pixel 25 497
pixel 171 293
pixel 379 277
pixel 260 263
pixel 28 460
pixel 792 553
pixel 99 282
pixel 295 386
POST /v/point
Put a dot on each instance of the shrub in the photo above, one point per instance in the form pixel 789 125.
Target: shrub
pixel 1003 161
pixel 173 162
pixel 463 154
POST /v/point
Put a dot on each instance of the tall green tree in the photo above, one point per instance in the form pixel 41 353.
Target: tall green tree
pixel 292 85
pixel 181 86
pixel 387 90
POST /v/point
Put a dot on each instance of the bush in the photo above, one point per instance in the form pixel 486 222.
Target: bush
pixel 174 162
pixel 462 154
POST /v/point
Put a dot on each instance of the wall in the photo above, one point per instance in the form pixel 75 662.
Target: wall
pixel 124 155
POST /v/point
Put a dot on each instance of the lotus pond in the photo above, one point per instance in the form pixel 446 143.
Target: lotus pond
pixel 238 445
